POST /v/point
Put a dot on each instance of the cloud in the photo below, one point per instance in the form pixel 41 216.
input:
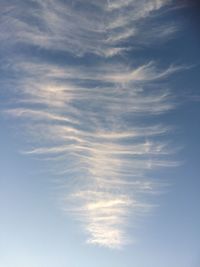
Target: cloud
pixel 100 28
pixel 88 107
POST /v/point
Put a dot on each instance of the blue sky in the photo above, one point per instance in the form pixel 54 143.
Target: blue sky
pixel 99 133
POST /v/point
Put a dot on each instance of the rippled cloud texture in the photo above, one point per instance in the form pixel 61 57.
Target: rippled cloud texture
pixel 89 104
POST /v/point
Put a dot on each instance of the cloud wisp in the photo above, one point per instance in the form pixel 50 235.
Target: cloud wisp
pixel 99 120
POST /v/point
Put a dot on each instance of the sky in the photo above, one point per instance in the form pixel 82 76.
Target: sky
pixel 99 115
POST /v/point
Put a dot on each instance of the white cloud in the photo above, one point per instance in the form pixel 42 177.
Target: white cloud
pixel 52 24
pixel 95 118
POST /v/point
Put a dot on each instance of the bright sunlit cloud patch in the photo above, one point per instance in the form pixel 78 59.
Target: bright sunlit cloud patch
pixel 93 111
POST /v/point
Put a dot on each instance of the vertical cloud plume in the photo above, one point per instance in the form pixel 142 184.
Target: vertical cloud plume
pixel 89 105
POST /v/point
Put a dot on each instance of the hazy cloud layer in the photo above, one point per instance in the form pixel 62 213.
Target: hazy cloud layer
pixel 93 111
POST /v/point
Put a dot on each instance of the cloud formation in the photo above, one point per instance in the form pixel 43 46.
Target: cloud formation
pixel 94 112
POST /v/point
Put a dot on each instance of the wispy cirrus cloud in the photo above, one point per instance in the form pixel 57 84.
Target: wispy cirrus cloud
pixel 97 119
pixel 78 27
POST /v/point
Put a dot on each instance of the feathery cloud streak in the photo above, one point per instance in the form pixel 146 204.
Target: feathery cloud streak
pixel 94 118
